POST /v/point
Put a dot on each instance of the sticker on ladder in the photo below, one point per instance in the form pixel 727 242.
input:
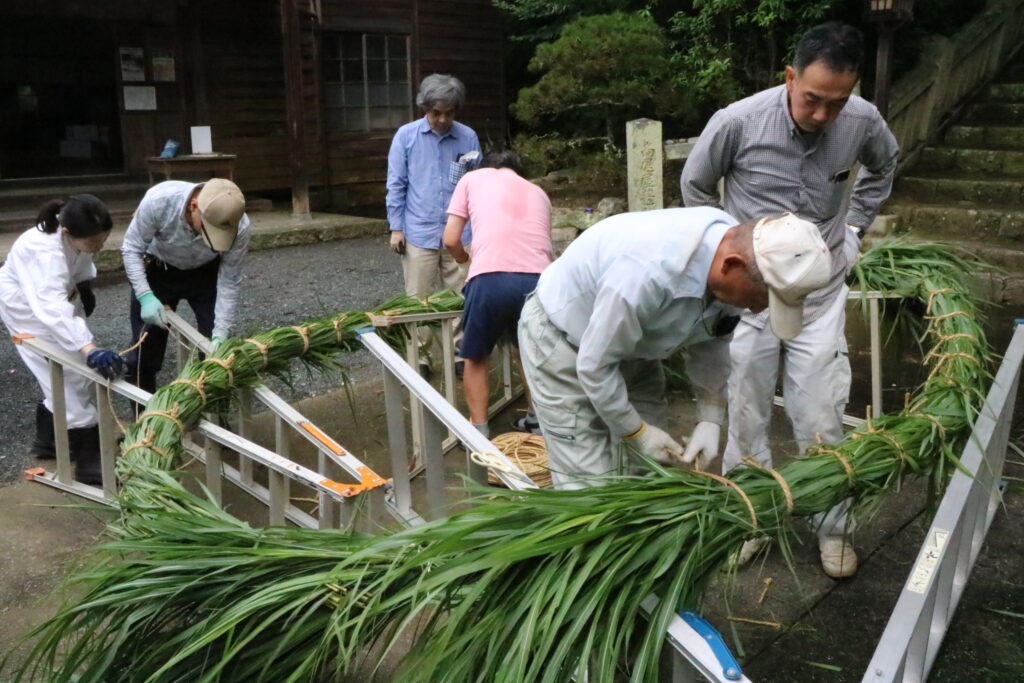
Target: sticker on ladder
pixel 922 574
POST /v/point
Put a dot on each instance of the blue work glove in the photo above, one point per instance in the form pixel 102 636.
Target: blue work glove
pixel 215 343
pixel 108 363
pixel 152 309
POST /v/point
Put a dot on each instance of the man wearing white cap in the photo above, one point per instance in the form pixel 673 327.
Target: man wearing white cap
pixel 186 241
pixel 626 294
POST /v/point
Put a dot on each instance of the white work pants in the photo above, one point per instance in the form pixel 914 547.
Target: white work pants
pixel 581 450
pixel 815 386
pixel 427 271
pixel 79 402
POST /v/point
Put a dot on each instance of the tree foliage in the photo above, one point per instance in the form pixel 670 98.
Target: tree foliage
pixel 601 71
pixel 730 48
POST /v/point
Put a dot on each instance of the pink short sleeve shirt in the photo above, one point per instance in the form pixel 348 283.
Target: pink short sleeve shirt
pixel 511 221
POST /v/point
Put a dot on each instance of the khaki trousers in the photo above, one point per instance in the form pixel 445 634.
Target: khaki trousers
pixel 581 450
pixel 427 271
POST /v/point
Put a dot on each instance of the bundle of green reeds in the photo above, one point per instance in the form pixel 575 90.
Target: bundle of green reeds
pixel 525 586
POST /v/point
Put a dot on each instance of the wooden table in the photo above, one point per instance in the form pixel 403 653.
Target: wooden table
pixel 222 165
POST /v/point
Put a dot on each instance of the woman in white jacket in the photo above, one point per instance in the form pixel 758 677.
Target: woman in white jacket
pixel 45 292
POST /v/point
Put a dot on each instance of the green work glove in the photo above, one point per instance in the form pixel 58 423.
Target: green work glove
pixel 215 343
pixel 152 309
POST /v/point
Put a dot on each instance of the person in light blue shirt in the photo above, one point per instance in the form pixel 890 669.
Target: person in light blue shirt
pixel 630 291
pixel 427 158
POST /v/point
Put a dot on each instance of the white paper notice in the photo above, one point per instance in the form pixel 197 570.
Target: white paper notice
pixel 139 98
pixel 202 141
pixel 921 577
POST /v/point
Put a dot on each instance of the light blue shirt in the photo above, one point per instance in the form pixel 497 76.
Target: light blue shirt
pixel 419 186
pixel 634 286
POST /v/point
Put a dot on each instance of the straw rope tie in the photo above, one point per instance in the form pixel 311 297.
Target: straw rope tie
pixel 959 335
pixel 147 443
pixel 263 349
pixel 935 353
pixel 735 487
pixel 786 491
pixel 842 460
pixel 527 451
pixel 894 443
pixel 304 333
pixel 336 323
pixel 171 415
pixel 934 293
pixel 944 316
pixel 493 461
pixel 196 384
pixel 934 420
pixel 943 357
pixel 226 364
pixel 110 405
pixel 110 397
pixel 142 338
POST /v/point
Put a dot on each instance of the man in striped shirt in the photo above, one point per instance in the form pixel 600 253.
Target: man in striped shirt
pixel 794 148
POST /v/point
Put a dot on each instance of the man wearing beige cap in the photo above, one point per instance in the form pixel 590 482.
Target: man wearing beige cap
pixel 630 291
pixel 186 241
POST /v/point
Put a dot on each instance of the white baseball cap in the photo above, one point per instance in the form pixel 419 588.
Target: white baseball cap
pixel 221 205
pixel 794 261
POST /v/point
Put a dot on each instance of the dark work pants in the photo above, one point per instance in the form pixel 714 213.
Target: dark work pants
pixel 197 286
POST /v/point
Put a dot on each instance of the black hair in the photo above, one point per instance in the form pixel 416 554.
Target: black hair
pixel 840 46
pixel 82 214
pixel 504 159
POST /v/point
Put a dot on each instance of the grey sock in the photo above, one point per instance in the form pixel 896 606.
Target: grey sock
pixel 484 429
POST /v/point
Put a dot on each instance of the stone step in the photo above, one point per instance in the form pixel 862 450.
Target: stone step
pixel 985 162
pixel 986 137
pixel 997 224
pixel 21 218
pixel 1005 92
pixel 33 196
pixel 996 113
pixel 922 188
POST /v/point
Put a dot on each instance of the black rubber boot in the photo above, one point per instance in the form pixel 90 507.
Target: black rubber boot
pixel 85 450
pixel 42 445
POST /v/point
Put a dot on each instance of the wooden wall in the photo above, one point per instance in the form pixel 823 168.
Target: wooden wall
pixel 230 76
pixel 244 102
pixel 458 37
pixel 464 38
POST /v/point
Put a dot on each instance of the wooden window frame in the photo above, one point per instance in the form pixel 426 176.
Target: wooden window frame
pixel 396 113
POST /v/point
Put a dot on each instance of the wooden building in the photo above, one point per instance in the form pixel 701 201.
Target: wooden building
pixel 97 86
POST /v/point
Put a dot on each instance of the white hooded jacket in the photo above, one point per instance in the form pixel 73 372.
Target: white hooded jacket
pixel 38 289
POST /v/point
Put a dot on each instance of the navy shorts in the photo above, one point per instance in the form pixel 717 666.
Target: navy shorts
pixel 493 304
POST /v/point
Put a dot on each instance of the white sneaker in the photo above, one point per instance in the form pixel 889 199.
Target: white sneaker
pixel 838 558
pixel 747 551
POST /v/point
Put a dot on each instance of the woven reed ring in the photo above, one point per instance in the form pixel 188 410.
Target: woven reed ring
pixel 528 453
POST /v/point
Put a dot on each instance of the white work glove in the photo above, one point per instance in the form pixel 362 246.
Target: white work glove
pixel 703 445
pixel 655 444
pixel 398 241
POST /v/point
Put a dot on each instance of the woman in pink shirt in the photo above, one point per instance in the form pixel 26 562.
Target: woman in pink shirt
pixel 511 248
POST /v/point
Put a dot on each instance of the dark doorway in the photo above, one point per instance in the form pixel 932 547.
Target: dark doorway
pixel 58 98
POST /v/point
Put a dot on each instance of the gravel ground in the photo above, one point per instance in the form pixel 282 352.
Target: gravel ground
pixel 283 286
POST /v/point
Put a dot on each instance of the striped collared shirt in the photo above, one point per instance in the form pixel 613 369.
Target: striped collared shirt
pixel 770 167
pixel 159 228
